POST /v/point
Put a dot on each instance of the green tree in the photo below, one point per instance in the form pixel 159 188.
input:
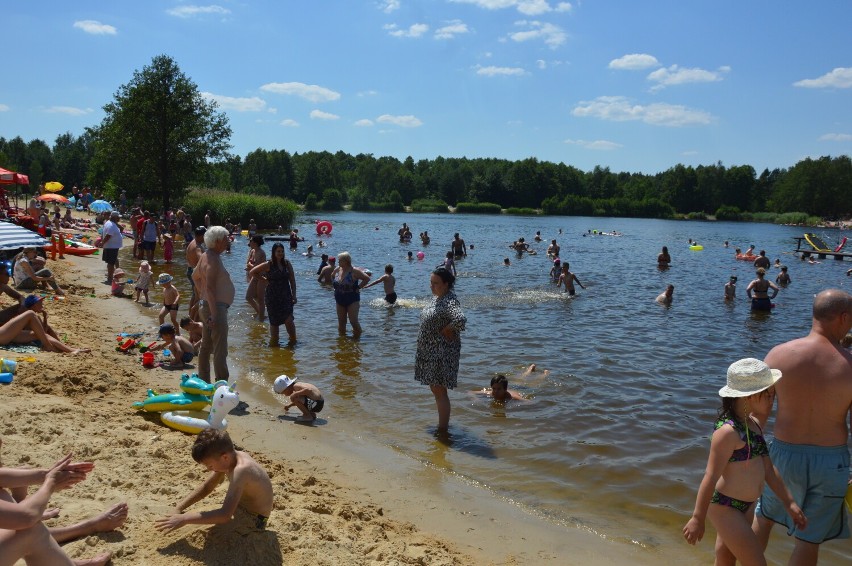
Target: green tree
pixel 159 132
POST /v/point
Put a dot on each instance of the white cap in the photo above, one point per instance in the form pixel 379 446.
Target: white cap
pixel 282 382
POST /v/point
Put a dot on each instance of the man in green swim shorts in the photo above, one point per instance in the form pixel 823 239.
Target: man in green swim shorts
pixel 811 429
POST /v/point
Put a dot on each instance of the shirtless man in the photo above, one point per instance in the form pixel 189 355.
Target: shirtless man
pixel 553 250
pixel 665 298
pixel 217 294
pixel 567 279
pixel 249 490
pixel 325 274
pixel 458 247
pixel 812 428
pixel 193 254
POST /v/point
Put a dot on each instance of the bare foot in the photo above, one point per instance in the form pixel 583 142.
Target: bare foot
pixel 110 519
pixel 304 419
pixel 76 351
pixel 99 560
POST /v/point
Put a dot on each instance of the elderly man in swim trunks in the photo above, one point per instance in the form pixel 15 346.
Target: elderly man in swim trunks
pixel 812 429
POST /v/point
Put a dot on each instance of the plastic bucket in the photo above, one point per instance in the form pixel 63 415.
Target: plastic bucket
pixel 148 359
pixel 8 366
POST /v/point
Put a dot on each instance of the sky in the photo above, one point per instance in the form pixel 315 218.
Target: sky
pixel 633 86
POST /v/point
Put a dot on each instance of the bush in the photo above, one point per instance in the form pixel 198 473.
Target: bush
pixel 268 212
pixel 332 200
pixel 522 211
pixel 727 213
pixel 696 216
pixel 311 202
pixel 763 217
pixel 359 201
pixel 429 205
pixel 797 219
pixel 478 208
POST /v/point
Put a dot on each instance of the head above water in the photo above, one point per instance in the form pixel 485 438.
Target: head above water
pixel 445 276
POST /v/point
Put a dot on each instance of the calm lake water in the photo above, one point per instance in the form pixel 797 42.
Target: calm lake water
pixel 615 438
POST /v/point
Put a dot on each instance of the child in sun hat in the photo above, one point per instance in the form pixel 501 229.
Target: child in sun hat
pixel 304 396
pixel 738 465
pixel 171 300
pixel 119 280
pixel 143 280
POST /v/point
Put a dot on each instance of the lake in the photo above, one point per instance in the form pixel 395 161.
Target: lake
pixel 615 438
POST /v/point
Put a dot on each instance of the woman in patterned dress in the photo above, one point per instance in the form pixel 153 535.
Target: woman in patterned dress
pixel 438 343
pixel 280 293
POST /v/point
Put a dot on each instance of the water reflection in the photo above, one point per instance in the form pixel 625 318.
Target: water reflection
pixel 347 358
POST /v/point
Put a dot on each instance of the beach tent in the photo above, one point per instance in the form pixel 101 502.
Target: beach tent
pixel 13 237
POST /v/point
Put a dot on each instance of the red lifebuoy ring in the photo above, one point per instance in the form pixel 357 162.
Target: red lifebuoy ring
pixel 324 228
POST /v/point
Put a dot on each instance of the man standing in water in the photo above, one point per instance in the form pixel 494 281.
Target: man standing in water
pixel 811 429
pixel 458 247
pixel 217 294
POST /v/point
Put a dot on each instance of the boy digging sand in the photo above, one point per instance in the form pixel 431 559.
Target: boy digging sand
pixel 249 490
pixel 182 350
pixel 306 397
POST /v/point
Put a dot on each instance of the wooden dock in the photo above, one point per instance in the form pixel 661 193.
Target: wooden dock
pixel 806 250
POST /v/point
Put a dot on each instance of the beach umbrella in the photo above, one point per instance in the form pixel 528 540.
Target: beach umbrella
pixel 13 237
pixel 100 206
pixel 49 197
pixel 53 186
pixel 11 178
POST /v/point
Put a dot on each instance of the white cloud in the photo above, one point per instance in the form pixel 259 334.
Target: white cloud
pixel 388 6
pixel 527 7
pixel 836 137
pixel 4 108
pixel 320 115
pixel 192 11
pixel 364 123
pixel 253 104
pixel 841 77
pixel 95 27
pixel 289 123
pixel 492 71
pixel 675 75
pixel 451 30
pixel 620 109
pixel 312 93
pixel 552 35
pixel 70 110
pixel 414 30
pixel 634 62
pixel 541 64
pixel 403 121
pixel 367 93
pixel 601 145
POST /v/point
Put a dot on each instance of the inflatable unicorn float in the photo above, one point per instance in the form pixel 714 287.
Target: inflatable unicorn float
pixel 183 411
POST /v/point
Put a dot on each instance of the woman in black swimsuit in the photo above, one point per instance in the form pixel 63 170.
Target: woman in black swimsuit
pixel 758 292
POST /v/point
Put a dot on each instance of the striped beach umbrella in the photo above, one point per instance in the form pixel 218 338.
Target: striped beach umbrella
pixel 13 237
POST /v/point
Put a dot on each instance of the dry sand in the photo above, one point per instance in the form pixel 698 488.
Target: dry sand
pixel 360 504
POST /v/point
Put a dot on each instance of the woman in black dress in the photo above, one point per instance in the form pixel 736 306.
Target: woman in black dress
pixel 280 293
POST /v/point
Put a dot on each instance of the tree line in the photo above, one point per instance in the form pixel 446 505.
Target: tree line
pixel 160 137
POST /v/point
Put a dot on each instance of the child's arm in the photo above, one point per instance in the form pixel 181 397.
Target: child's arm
pixel 578 282
pixel 777 485
pixel 376 282
pixel 722 444
pixel 172 522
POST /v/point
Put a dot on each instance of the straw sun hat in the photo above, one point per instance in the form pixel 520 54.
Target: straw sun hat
pixel 747 377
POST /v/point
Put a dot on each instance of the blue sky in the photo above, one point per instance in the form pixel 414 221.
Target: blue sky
pixel 635 86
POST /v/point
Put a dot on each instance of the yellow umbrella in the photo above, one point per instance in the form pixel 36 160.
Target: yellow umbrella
pixel 53 186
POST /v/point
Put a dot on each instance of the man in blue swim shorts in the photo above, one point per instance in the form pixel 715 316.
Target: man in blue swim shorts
pixel 811 429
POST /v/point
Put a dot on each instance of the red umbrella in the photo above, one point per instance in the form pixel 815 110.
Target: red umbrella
pixel 11 178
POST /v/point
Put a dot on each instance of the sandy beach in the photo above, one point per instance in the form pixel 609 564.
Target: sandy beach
pixel 353 504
